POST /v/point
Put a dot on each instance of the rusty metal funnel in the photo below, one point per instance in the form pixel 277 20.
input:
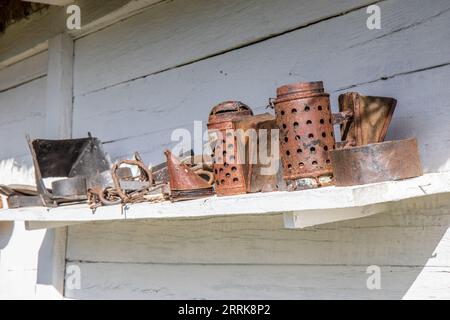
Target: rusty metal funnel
pixel 185 184
pixel 371 118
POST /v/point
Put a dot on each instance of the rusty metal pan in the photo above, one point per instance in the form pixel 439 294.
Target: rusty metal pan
pixel 386 161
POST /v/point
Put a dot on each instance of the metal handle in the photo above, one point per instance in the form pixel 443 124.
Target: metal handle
pixel 206 173
pixel 271 104
pixel 346 118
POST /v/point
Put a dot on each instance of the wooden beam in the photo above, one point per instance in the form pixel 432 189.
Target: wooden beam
pixel 52 2
pixel 24 71
pixel 58 126
pixel 59 88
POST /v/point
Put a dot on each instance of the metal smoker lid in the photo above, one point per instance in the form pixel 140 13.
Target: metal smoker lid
pixel 228 111
pixel 306 88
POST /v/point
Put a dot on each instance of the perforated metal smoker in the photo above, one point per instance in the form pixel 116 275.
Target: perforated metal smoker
pixel 229 171
pixel 304 118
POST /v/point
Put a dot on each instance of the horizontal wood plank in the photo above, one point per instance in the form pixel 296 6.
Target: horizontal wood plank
pixel 138 281
pixel 182 31
pixel 141 116
pixel 24 71
pixel 412 233
pixel 22 112
pixel 29 36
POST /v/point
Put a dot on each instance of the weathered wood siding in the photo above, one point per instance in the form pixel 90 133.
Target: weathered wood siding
pixel 22 111
pixel 136 81
pixel 410 51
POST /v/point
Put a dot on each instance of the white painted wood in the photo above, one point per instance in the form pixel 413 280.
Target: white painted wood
pixel 411 233
pixel 52 263
pixel 365 200
pixel 28 53
pixel 23 111
pixel 53 2
pixel 36 225
pixel 22 108
pixel 158 258
pixel 345 53
pixel 59 113
pixel 181 31
pixel 19 256
pixel 137 281
pixel 24 71
pixel 28 36
pixel 106 13
pixel 60 88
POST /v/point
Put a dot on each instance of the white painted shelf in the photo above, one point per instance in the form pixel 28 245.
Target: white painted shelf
pixel 301 209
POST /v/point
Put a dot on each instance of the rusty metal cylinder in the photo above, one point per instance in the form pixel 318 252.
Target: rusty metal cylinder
pixel 304 117
pixel 230 172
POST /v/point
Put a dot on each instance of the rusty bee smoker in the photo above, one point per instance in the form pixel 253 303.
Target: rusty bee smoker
pixel 304 117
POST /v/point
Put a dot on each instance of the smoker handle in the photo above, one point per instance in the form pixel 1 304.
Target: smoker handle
pixel 206 173
pixel 271 104
pixel 346 118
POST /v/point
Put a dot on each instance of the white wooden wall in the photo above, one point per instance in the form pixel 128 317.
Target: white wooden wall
pixel 22 111
pixel 137 80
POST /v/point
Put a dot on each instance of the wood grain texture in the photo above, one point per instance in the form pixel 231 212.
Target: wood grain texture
pixel 29 36
pixel 181 31
pixel 18 261
pixel 22 111
pixel 422 112
pixel 300 209
pixel 412 234
pixel 342 52
pixel 24 71
pixel 59 108
pixel 142 281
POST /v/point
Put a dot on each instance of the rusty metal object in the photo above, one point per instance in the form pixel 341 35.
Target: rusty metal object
pixel 119 186
pixel 200 164
pixel 98 196
pixel 230 173
pixel 105 179
pixel 100 188
pixel 262 174
pixel 21 196
pixel 304 117
pixel 185 184
pixel 21 201
pixel 66 159
pixel 133 194
pixel 370 120
pixel 392 160
pixel 75 186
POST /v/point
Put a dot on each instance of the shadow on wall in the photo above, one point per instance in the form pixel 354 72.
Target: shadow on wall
pixel 17 171
pixel 260 259
pixel 6 230
pixel 45 259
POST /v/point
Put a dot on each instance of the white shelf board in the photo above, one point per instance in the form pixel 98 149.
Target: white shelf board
pixel 300 209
